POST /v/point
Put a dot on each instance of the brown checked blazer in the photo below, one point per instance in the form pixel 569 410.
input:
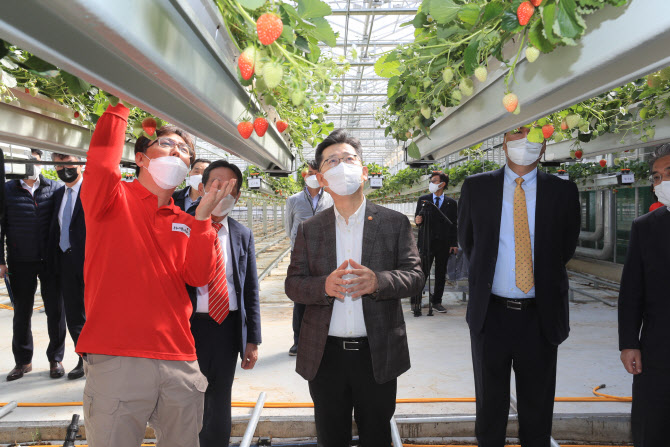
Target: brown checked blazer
pixel 390 251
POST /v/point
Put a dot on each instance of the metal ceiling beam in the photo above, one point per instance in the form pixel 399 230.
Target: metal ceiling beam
pixel 167 57
pixel 376 12
pixel 560 79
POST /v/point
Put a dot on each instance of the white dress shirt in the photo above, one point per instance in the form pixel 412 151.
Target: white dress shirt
pixel 203 292
pixel 75 193
pixel 31 189
pixel 504 280
pixel 347 318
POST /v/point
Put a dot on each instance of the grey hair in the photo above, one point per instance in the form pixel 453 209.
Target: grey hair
pixel 660 152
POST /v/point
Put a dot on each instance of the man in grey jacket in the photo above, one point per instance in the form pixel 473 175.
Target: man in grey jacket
pixel 300 207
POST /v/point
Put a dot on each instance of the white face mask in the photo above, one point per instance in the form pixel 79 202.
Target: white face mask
pixel 36 172
pixel 168 172
pixel 662 191
pixel 523 152
pixel 225 206
pixel 194 181
pixel 312 182
pixel 344 179
pixel 432 187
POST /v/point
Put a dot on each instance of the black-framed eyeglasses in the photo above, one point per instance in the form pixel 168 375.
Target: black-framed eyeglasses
pixel 169 143
pixel 333 161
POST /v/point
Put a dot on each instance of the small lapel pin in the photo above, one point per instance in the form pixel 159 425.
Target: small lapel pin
pixel 369 217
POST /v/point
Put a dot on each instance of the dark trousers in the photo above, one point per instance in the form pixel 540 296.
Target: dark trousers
pixel 651 406
pixel 345 382
pixel 298 312
pixel 72 290
pixel 513 339
pixel 23 280
pixel 217 348
pixel 439 253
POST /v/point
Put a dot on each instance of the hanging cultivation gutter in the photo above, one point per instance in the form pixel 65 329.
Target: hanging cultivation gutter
pixel 173 59
pixel 620 45
pixel 39 122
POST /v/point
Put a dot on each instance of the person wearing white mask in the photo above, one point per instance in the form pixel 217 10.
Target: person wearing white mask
pixel 351 265
pixel 226 323
pixel 518 227
pixel 300 207
pixel 189 196
pixel 138 350
pixel 644 312
pixel 442 239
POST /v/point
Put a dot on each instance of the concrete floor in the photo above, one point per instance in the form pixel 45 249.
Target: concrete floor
pixel 439 347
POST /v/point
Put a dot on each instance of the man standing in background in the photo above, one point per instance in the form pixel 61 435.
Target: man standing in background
pixel 300 207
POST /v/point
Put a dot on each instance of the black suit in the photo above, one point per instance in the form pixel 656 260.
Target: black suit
pixel 69 265
pixel 644 312
pixel 218 346
pixel 525 339
pixel 179 197
pixel 443 235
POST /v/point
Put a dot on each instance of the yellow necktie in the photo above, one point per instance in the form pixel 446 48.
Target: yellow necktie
pixel 524 255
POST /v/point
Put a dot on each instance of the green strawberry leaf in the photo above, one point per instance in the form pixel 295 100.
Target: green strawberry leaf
pixel 413 151
pixel 419 20
pixel 535 135
pixel 471 61
pixel 536 37
pixel 568 23
pixel 287 34
pixel 548 19
pixel 387 69
pixel 491 11
pixel 252 4
pixel 510 22
pixel 443 11
pixel 310 9
pixel 75 85
pixel 469 13
pixel 323 32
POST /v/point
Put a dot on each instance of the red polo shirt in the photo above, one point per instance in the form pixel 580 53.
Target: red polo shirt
pixel 138 257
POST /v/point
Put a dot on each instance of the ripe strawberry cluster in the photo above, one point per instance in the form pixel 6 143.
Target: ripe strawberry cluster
pixel 260 126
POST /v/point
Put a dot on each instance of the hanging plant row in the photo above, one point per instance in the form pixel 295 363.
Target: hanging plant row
pixel 454 41
pixel 282 66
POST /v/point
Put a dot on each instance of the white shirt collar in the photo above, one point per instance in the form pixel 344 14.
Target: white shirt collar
pixel 35 185
pixel 225 224
pixel 357 217
pixel 77 185
pixel 511 176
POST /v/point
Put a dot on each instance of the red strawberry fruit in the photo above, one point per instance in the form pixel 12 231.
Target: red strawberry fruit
pixel 524 12
pixel 27 90
pixel 603 163
pixel 260 126
pixel 245 128
pixel 510 101
pixel 269 28
pixel 564 125
pixel 547 131
pixel 76 114
pixel 149 125
pixel 281 126
pixel 536 3
pixel 579 154
pixel 246 63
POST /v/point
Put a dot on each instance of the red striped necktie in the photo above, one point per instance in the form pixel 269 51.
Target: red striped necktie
pixel 218 286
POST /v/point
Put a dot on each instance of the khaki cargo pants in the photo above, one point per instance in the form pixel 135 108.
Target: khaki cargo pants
pixel 122 394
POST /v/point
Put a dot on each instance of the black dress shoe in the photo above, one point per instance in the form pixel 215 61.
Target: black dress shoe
pixel 293 351
pixel 78 370
pixel 56 370
pixel 440 308
pixel 19 371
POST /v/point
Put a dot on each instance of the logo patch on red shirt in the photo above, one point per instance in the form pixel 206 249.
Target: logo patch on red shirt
pixel 183 228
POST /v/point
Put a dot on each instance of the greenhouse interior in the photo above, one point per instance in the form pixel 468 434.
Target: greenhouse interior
pixel 431 94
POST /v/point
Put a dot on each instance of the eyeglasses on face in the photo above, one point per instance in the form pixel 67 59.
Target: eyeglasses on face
pixel 658 177
pixel 333 161
pixel 169 143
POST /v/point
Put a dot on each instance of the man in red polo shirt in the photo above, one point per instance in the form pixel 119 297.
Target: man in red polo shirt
pixel 137 345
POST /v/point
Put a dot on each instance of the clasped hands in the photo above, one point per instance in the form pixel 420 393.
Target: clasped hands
pixel 365 282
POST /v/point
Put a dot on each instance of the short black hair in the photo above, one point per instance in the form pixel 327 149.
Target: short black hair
pixel 39 152
pixel 660 152
pixel 312 164
pixel 443 177
pixel 338 136
pixel 143 142
pixel 58 154
pixel 200 160
pixel 222 164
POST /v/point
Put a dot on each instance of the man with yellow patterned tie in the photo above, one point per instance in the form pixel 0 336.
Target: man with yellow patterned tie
pixel 518 227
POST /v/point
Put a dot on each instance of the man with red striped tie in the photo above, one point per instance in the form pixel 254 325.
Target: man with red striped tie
pixel 226 322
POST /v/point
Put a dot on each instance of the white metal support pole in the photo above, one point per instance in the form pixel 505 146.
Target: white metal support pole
pixel 250 214
pixel 274 217
pixel 265 219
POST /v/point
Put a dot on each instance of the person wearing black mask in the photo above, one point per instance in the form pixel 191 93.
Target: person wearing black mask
pixel 67 238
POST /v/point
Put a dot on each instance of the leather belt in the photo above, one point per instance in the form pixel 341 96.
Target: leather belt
pixel 349 344
pixel 513 303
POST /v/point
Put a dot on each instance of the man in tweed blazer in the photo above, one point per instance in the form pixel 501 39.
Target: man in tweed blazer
pixel 350 266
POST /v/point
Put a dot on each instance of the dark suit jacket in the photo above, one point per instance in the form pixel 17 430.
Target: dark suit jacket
pixel 179 197
pixel 246 283
pixel 77 232
pixel 389 250
pixel 644 299
pixel 441 231
pixel 557 222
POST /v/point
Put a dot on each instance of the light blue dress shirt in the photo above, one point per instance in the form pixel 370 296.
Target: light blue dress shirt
pixel 441 199
pixel 504 280
pixel 315 199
